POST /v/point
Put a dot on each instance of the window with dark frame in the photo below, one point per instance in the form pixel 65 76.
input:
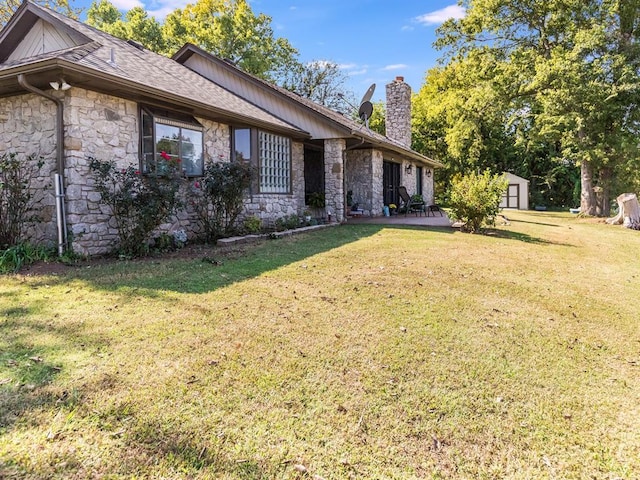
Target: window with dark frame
pixel 269 153
pixel 170 142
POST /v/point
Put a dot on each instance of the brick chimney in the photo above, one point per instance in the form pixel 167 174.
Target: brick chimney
pixel 398 117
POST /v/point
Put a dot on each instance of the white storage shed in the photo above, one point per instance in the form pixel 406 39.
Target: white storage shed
pixel 517 195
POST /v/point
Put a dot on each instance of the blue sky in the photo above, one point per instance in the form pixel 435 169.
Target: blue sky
pixel 372 40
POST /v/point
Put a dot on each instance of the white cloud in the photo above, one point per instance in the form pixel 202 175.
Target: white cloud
pixel 347 66
pixel 439 16
pixel 127 4
pixel 395 66
pixel 319 63
pixel 407 28
pixel 161 8
pixel 354 68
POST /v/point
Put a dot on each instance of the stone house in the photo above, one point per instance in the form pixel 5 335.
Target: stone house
pixel 341 155
pixel 69 92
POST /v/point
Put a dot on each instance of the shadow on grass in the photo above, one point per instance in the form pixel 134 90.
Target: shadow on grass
pixel 522 237
pixel 156 442
pixel 216 269
pixel 27 350
pixel 535 223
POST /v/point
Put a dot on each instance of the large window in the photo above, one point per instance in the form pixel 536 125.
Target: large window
pixel 269 153
pixel 170 142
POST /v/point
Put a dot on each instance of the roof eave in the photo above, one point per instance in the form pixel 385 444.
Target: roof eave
pixel 418 157
pixel 131 88
pixel 189 49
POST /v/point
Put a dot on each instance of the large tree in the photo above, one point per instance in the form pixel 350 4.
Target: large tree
pixel 320 81
pixel 230 30
pixel 136 24
pixel 565 73
pixel 8 7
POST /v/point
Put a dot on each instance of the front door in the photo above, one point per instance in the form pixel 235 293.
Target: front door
pixel 419 180
pixel 313 172
pixel 390 182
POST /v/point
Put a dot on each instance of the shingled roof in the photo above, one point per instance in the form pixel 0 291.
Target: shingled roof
pixel 348 125
pixel 128 69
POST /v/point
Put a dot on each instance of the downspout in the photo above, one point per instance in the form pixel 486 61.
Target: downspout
pixel 59 176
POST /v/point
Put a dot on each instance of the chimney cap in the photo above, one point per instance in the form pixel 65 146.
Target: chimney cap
pixel 399 79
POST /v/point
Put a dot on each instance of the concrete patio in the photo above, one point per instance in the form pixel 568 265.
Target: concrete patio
pixel 401 219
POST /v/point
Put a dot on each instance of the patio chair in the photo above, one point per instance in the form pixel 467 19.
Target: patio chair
pixel 433 209
pixel 409 205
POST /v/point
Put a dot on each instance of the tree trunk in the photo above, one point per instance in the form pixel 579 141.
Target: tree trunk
pixel 588 201
pixel 604 193
pixel 628 212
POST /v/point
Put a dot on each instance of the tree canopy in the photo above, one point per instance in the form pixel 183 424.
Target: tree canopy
pixel 320 81
pixel 136 24
pixel 541 86
pixel 228 29
pixel 8 8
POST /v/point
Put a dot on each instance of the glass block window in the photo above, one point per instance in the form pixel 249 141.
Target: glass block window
pixel 275 163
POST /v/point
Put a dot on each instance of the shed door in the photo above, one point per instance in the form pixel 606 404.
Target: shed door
pixel 390 182
pixel 512 199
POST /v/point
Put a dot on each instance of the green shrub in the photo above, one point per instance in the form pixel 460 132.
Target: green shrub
pixel 139 203
pixel 15 257
pixel 317 200
pixel 475 199
pixel 252 224
pixel 218 197
pixel 288 222
pixel 15 196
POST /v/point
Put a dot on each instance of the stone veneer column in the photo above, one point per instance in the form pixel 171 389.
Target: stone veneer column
pixel 377 188
pixel 334 178
pixel 398 115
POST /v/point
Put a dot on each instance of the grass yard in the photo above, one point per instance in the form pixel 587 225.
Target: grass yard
pixel 361 351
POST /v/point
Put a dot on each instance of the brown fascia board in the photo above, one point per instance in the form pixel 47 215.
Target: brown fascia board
pixel 134 89
pixel 190 49
pixel 15 29
pixel 397 149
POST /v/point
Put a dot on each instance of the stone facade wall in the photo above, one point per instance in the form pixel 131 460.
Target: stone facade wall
pixel 28 128
pixel 363 174
pixel 107 128
pixel 334 178
pixel 428 193
pixel 269 207
pixel 398 112
pixel 377 189
pixel 359 178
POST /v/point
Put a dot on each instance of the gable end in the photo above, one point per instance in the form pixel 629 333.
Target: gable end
pixel 42 38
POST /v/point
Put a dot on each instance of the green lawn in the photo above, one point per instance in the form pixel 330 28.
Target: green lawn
pixel 352 352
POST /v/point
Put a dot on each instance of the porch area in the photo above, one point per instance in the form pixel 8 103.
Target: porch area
pixel 401 219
